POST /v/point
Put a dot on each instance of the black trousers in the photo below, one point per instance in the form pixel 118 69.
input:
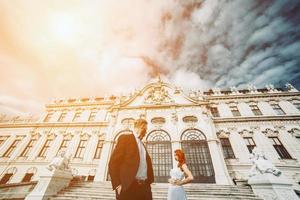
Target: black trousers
pixel 136 192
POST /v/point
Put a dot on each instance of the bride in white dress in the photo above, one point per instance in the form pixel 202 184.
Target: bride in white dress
pixel 179 176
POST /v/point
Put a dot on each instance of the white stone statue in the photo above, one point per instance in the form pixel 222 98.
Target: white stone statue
pixel 216 91
pixel 271 88
pixel 261 164
pixel 290 87
pixel 60 162
pixel 252 88
pixel 234 90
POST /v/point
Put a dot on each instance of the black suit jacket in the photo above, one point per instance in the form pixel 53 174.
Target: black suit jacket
pixel 124 162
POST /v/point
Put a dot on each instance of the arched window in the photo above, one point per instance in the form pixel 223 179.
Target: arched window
pixel 160 150
pixel 29 174
pixel 198 159
pixel 8 175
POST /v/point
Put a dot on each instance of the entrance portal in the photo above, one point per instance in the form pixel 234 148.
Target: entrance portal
pixel 195 147
pixel 160 150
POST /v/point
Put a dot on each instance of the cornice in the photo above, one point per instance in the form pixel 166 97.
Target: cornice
pixel 250 96
pixel 256 119
pixel 56 124
pixel 153 106
pixel 79 104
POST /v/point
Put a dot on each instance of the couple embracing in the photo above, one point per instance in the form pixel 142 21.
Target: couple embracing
pixel 131 171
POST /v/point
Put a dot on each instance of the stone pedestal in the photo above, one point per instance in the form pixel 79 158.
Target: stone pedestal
pixel 270 187
pixel 50 184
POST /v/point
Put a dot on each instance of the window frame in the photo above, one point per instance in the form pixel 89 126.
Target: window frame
pixel 45 148
pixel 279 147
pixel 250 146
pixel 81 148
pixel 227 148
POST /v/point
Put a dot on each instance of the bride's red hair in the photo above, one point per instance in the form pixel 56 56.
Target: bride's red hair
pixel 181 157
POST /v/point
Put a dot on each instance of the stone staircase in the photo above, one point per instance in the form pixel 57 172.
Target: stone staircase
pixel 103 191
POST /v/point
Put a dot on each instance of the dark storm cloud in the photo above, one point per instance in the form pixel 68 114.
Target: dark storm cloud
pixel 239 42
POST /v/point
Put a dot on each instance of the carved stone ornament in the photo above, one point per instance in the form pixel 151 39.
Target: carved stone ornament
pixel 246 133
pixel 223 134
pixel 270 133
pixel 158 95
pixel 261 164
pixel 295 132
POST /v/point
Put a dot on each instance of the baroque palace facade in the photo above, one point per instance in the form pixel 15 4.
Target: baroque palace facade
pixel 216 129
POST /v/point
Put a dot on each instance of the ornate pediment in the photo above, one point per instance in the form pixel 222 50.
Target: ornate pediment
pixel 160 93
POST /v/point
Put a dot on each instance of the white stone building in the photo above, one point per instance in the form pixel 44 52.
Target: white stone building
pixel 216 129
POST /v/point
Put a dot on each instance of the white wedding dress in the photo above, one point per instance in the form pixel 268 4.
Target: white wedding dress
pixel 176 192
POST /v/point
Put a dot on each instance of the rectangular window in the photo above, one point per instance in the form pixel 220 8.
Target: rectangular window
pixel 297 105
pixel 80 150
pixel 278 110
pixel 6 178
pixel 64 145
pixel 62 116
pixel 98 149
pixel 255 110
pixel 283 153
pixel 214 111
pixel 27 177
pixel 45 148
pixel 92 115
pixel 28 148
pixel 227 149
pixel 48 116
pixel 12 148
pixel 76 116
pixel 250 143
pixel 235 111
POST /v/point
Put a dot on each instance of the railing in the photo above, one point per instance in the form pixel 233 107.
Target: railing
pixel 16 190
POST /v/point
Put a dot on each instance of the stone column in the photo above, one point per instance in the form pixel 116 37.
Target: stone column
pixel 224 110
pixel 91 147
pixel 74 144
pixel 265 108
pixel 220 168
pixel 245 109
pixel 263 142
pixel 55 145
pixel 39 145
pixel 293 133
pixel 102 168
pixel 221 172
pixel 238 145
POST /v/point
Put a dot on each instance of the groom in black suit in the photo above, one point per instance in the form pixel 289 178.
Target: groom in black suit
pixel 130 165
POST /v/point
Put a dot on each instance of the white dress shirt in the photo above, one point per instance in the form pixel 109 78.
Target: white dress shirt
pixel 142 170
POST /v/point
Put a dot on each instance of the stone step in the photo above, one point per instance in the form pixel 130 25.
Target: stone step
pixel 103 191
pixel 78 191
pixel 188 187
